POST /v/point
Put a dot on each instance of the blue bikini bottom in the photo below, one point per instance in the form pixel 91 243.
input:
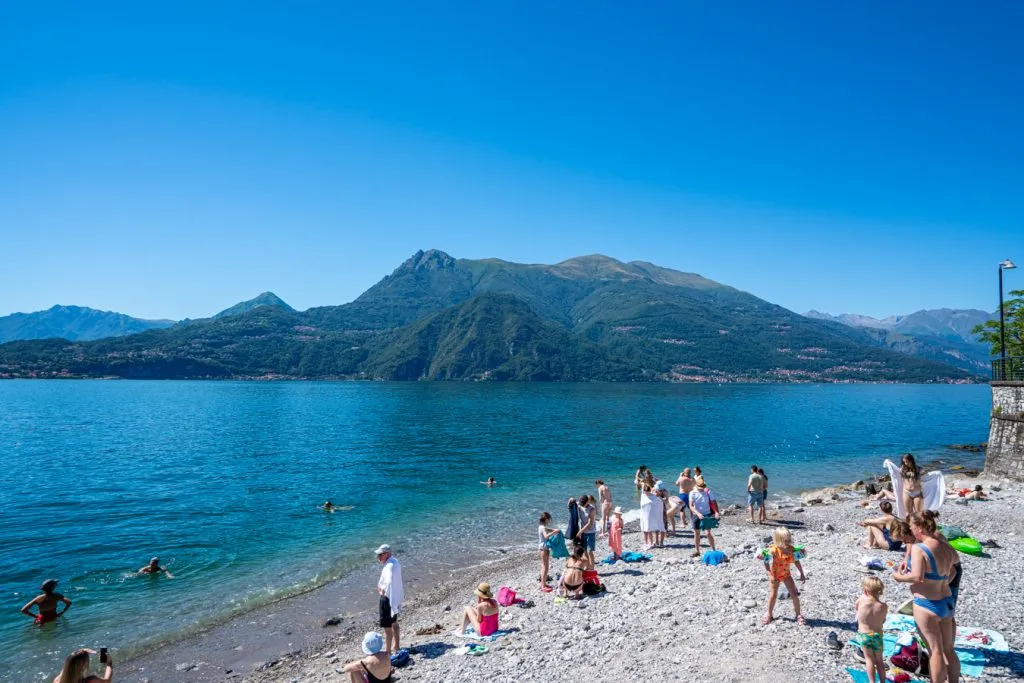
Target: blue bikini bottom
pixel 942 608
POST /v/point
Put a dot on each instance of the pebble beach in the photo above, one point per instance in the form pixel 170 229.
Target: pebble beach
pixel 674 617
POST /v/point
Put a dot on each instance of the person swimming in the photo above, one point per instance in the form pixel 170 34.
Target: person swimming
pixel 154 568
pixel 490 483
pixel 46 604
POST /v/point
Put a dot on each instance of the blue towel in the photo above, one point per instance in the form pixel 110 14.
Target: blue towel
pixel 713 558
pixel 557 545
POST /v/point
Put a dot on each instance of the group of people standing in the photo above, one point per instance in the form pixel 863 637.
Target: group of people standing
pixel 659 509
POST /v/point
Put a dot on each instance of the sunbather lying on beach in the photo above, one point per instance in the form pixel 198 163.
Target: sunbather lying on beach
pixel 375 667
pixel 483 616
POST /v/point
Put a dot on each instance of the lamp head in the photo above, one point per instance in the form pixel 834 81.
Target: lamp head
pixel 1007 265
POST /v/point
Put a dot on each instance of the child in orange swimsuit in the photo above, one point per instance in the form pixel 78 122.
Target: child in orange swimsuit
pixel 781 554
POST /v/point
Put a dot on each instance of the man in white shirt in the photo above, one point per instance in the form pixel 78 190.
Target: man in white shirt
pixel 392 595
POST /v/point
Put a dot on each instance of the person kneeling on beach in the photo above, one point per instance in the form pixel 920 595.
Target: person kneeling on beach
pixel 571 583
pixel 871 613
pixel 375 667
pixel 780 555
pixel 483 615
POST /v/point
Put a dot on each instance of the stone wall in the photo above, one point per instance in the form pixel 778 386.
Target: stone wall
pixel 1005 456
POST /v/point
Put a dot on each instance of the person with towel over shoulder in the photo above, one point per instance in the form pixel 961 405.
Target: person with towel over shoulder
pixel 392 595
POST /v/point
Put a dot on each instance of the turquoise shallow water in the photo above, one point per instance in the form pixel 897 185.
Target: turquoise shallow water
pixel 221 479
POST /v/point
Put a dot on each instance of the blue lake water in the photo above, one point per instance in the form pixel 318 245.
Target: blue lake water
pixel 222 479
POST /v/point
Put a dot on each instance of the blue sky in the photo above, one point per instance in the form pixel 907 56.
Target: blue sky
pixel 168 161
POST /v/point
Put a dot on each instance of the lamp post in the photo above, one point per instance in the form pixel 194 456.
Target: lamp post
pixel 1005 265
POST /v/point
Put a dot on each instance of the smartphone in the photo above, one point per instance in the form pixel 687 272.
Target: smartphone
pixel 103 655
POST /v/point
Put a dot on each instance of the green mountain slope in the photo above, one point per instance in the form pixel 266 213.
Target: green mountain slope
pixel 437 317
pixel 74 323
pixel 265 299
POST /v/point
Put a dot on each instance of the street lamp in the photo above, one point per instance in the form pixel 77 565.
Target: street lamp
pixel 1005 265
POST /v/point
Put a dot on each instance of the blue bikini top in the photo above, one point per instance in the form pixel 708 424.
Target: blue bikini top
pixel 933 575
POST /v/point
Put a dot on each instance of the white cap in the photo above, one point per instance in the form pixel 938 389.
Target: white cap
pixel 385 548
pixel 659 485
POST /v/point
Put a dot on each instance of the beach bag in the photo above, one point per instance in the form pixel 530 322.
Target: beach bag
pixel 400 658
pixel 557 546
pixel 708 523
pixel 912 658
pixel 507 596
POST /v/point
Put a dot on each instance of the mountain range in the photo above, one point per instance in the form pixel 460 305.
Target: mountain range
pixel 942 334
pixel 75 323
pixel 438 317
pixel 80 323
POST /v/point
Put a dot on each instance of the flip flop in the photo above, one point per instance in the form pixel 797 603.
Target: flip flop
pixel 546 589
pixel 800 620
pixel 477 650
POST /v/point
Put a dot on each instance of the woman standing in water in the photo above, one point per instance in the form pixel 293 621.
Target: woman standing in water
pixel 47 604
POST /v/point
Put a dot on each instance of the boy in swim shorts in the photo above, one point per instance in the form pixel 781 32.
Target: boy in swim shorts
pixel 871 613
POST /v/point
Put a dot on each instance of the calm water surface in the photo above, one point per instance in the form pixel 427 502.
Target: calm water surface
pixel 222 479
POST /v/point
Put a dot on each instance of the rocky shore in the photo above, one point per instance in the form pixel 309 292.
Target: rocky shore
pixel 674 618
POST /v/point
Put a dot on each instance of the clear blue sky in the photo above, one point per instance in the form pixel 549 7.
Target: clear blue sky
pixel 170 159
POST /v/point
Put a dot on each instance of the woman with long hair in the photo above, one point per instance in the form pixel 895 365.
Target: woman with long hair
pixel 544 532
pixel 76 669
pixel 913 498
pixel 930 566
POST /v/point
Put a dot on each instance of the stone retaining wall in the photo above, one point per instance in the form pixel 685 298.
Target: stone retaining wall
pixel 1005 457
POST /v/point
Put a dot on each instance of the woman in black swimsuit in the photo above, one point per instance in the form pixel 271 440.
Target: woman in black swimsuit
pixel 571 582
pixel 374 668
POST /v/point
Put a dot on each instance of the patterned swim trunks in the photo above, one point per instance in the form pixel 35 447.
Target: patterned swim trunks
pixel 871 642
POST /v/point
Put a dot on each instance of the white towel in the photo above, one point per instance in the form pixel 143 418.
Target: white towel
pixel 933 488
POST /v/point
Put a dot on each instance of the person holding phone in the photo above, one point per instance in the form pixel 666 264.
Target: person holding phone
pixel 76 668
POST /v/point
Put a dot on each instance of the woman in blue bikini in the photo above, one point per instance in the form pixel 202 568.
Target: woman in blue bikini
pixel 929 568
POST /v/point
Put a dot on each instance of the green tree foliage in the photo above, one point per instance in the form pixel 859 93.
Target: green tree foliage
pixel 1013 315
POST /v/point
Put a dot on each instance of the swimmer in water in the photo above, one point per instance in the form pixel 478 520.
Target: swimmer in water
pixel 154 568
pixel 328 507
pixel 47 604
pixel 490 483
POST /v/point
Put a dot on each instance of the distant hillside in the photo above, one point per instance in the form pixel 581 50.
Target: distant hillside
pixel 75 323
pixel 942 334
pixel 264 299
pixel 438 317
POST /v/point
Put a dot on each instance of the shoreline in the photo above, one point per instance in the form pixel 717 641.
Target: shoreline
pixel 275 638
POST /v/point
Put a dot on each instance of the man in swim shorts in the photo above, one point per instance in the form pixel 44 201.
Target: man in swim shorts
pixel 755 492
pixel 392 595
pixel 46 604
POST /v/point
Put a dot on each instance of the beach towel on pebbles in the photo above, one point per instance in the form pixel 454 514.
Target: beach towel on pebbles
pixel 970 642
pixel 473 635
pixel 933 489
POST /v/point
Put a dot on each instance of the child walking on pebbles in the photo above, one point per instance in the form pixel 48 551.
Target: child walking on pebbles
pixel 871 613
pixel 777 559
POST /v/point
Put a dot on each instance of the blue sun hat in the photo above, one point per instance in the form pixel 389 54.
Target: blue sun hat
pixel 373 643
